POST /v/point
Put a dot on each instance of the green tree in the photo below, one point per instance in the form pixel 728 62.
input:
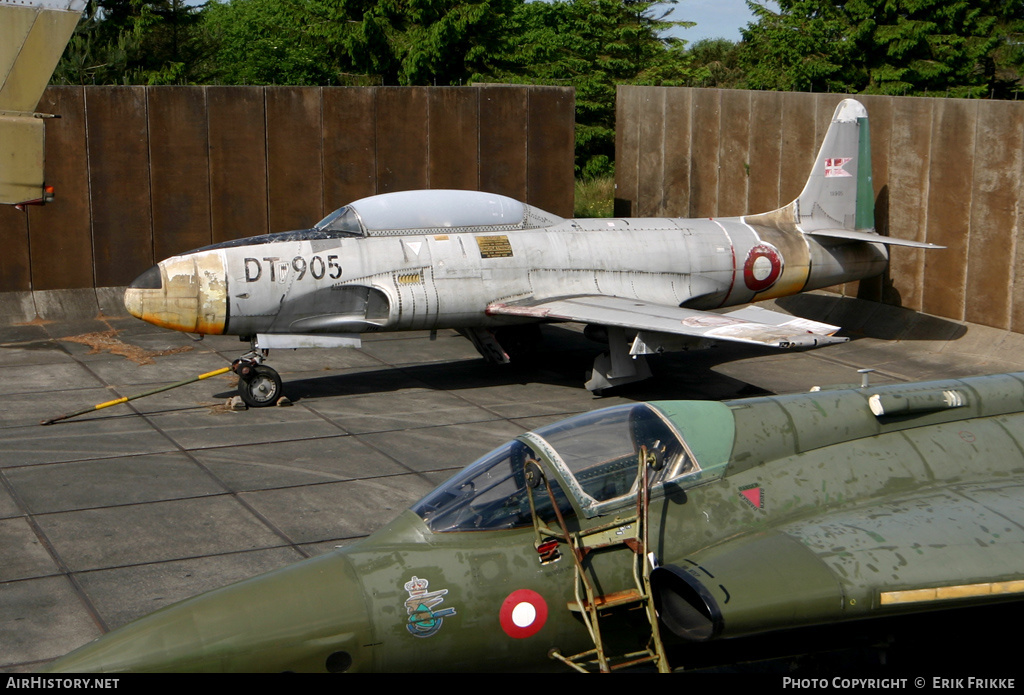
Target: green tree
pixel 136 42
pixel 593 45
pixel 876 46
pixel 391 42
pixel 715 63
pixel 412 42
pixel 267 42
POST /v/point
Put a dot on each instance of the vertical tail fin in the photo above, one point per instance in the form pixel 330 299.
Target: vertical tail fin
pixel 838 196
pixel 838 193
pixel 838 200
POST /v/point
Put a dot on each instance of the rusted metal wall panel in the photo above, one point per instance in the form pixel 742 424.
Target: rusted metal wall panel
pixel 765 156
pixel 238 162
pixel 60 233
pixel 706 131
pixel 995 187
pixel 180 170
pixel 503 150
pixel 627 149
pixel 120 183
pixel 908 186
pixel 15 262
pixel 798 150
pixel 453 124
pixel 350 145
pixel 676 188
pixel 651 171
pixel 548 105
pixel 294 157
pixel 734 154
pixel 949 206
pixel 401 138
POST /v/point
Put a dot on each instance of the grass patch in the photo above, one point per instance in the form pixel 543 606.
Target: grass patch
pixel 595 197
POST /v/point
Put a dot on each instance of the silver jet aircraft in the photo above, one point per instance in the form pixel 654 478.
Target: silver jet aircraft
pixel 492 268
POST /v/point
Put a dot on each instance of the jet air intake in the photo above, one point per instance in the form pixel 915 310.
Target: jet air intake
pixel 683 605
pixel 743 586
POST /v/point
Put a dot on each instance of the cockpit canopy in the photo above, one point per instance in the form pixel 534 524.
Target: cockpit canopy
pixel 413 212
pixel 434 211
pixel 594 455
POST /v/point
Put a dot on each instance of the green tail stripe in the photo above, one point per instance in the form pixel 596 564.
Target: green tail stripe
pixel 865 187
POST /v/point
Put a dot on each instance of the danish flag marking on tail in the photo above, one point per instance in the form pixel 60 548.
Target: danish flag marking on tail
pixel 834 167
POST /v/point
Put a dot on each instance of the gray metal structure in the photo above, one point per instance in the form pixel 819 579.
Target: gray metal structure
pixel 33 34
pixel 489 267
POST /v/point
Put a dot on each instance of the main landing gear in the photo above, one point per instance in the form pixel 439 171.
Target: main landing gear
pixel 258 385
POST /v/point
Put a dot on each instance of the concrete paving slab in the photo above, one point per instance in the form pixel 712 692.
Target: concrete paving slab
pixel 123 594
pixel 169 369
pixel 37 378
pixel 65 487
pixel 90 437
pixel 386 412
pixel 338 511
pixel 194 429
pixel 22 556
pixel 414 349
pixel 109 515
pixel 40 620
pixel 8 508
pixel 443 448
pixel 41 351
pixel 154 532
pixel 288 464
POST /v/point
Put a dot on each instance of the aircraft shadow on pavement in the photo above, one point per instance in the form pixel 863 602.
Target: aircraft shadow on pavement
pixel 562 359
pixel 859 318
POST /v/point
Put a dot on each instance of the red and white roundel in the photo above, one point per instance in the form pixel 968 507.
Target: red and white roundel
pixel 523 614
pixel 762 267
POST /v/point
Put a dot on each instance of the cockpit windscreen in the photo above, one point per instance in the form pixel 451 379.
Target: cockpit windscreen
pixel 598 450
pixel 489 495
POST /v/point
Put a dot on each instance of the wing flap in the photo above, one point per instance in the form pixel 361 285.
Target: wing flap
pixel 746 325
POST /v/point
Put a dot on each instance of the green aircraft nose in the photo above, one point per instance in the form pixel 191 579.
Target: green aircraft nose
pixel 305 617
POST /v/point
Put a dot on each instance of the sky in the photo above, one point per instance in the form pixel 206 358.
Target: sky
pixel 715 19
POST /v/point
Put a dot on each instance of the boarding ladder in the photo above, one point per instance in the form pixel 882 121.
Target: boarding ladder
pixel 628 531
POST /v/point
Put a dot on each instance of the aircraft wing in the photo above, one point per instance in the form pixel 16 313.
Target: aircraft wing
pixel 750 324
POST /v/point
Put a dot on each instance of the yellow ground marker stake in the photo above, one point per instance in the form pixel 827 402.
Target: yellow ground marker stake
pixel 141 395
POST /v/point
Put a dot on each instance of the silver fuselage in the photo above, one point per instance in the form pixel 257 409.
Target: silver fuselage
pixel 447 280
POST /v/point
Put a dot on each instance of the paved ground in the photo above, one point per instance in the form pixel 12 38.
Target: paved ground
pixel 108 516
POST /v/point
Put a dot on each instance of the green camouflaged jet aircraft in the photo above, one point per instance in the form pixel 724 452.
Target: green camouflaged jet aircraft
pixel 764 514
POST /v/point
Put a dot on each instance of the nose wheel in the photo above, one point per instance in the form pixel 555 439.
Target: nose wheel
pixel 258 385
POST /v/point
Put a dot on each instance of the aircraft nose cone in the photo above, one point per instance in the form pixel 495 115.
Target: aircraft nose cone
pixel 184 293
pixel 136 292
pixel 305 617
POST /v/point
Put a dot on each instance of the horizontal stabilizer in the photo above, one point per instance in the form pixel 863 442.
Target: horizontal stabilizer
pixel 851 235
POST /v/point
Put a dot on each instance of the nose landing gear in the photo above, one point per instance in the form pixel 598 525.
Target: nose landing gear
pixel 258 385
